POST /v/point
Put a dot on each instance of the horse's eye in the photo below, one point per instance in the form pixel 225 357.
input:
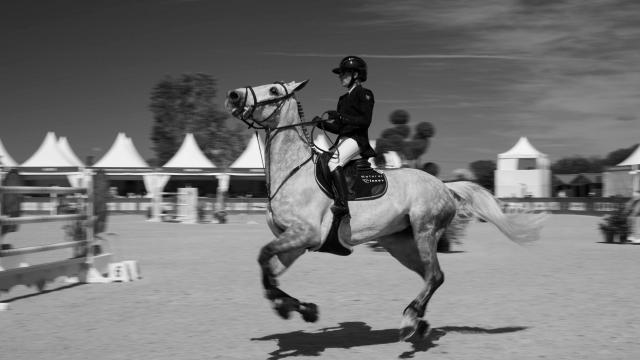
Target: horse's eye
pixel 273 90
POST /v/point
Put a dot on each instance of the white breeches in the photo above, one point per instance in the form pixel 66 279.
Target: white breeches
pixel 346 151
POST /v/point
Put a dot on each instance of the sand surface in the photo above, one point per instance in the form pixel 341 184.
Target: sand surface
pixel 568 296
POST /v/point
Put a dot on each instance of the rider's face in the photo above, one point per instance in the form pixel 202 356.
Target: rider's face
pixel 345 78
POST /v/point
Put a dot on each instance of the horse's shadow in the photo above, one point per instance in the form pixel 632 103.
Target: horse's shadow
pixel 352 334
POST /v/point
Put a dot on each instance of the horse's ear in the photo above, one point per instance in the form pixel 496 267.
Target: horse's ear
pixel 301 85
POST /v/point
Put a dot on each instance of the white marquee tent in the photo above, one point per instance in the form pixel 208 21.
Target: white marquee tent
pixel 48 155
pixel 67 152
pixel 52 160
pixel 250 162
pixel 189 156
pixel 124 166
pixel 5 158
pixel 523 171
pixel 122 154
pixel 188 163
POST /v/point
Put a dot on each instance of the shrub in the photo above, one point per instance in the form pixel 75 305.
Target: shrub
pixel 617 222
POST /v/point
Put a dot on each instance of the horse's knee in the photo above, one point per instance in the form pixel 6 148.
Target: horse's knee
pixel 266 252
pixel 314 241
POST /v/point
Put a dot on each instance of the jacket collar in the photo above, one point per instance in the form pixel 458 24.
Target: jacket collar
pixel 353 87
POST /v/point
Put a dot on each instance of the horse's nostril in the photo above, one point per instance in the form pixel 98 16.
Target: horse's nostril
pixel 233 96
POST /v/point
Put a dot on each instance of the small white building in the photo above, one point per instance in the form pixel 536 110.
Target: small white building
pixel 522 171
pixel 624 178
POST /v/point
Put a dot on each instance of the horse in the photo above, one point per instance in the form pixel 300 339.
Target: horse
pixel 408 220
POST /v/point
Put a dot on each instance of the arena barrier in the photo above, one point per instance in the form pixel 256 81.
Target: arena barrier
pixel 596 206
pixel 87 262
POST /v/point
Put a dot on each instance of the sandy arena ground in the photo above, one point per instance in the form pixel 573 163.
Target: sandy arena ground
pixel 568 296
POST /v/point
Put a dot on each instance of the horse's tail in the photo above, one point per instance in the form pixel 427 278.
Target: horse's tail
pixel 521 227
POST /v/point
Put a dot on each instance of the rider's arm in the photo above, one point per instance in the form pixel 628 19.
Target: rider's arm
pixel 331 127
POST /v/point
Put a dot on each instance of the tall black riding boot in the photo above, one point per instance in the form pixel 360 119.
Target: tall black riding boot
pixel 340 206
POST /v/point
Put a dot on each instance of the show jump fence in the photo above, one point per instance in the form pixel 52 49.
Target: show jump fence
pixel 87 263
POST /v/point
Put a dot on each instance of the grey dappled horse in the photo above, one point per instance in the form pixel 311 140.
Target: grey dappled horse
pixel 407 221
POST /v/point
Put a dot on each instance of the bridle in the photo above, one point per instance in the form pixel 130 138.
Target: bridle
pixel 246 115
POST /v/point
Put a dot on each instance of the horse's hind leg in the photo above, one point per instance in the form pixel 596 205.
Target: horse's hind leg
pixel 417 251
pixel 274 259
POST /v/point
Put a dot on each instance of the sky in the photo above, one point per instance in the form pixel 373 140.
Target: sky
pixel 565 74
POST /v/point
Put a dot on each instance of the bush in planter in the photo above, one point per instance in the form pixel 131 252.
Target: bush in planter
pixel 221 216
pixel 616 224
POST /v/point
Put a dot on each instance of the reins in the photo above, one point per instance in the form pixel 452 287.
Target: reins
pixel 272 132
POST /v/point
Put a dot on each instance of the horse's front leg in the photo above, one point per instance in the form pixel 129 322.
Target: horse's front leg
pixel 276 257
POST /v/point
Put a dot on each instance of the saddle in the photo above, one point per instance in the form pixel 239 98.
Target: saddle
pixel 363 181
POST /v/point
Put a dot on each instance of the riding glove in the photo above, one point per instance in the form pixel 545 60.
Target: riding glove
pixel 333 115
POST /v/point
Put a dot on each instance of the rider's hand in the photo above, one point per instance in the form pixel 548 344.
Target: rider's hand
pixel 333 115
pixel 317 118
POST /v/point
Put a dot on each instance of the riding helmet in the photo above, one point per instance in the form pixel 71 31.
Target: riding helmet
pixel 353 63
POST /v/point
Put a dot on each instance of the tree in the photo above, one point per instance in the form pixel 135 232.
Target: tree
pixel 185 104
pixel 397 138
pixel 576 165
pixel 483 170
pixel 617 156
pixel 431 168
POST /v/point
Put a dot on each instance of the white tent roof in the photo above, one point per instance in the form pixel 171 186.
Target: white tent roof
pixel 633 159
pixel 522 149
pixel 67 152
pixel 122 154
pixel 48 154
pixel 252 156
pixel 189 155
pixel 5 158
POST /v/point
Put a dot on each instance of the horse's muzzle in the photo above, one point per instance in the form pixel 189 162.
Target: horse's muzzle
pixel 234 97
pixel 234 102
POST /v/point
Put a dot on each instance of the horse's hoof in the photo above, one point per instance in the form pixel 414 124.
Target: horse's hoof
pixel 423 329
pixel 309 312
pixel 284 307
pixel 407 332
pixel 408 327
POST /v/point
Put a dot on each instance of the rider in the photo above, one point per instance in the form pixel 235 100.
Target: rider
pixel 350 122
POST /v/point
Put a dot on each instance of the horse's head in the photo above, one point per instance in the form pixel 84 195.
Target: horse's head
pixel 259 105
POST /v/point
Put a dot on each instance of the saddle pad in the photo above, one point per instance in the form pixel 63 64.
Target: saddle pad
pixel 364 182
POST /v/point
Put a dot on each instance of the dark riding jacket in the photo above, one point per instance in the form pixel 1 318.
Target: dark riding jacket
pixel 355 109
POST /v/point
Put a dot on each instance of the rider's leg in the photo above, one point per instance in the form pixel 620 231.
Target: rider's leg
pixel 346 150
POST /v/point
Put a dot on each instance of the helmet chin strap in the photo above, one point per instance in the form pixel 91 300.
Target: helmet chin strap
pixel 353 80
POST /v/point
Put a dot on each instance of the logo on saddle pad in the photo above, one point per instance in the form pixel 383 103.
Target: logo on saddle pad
pixel 364 182
pixel 370 179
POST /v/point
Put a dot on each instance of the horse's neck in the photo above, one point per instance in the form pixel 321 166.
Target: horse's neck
pixel 287 149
